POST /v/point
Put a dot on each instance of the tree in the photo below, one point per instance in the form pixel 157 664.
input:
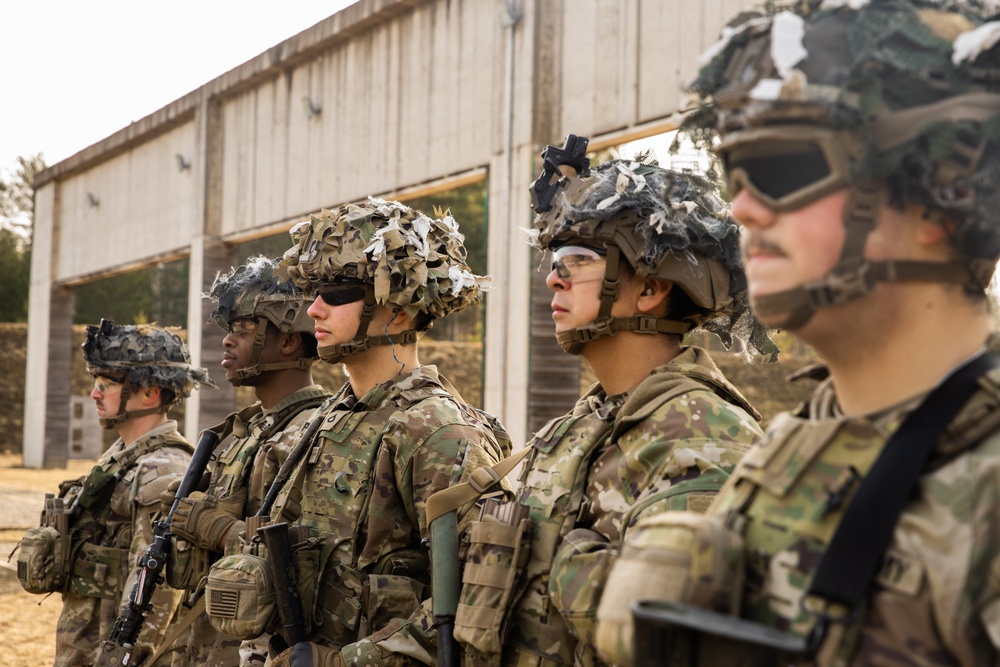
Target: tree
pixel 17 212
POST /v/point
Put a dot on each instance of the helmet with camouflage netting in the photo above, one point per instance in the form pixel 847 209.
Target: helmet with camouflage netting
pixel 863 94
pixel 394 256
pixel 665 224
pixel 254 292
pixel 140 356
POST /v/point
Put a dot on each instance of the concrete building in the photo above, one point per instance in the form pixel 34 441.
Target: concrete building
pixel 396 98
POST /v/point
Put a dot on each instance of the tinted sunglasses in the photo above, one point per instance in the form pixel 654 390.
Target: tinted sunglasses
pixel 339 294
pixel 578 262
pixel 788 166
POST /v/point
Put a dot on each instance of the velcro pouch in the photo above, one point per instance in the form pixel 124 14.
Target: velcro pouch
pixel 97 488
pixel 239 596
pixel 41 562
pixel 674 556
pixel 187 565
pixel 99 571
pixel 499 545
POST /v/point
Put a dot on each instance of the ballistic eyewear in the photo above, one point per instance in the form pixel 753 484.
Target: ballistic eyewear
pixel 339 294
pixel 578 263
pixel 242 326
pixel 788 166
pixel 103 383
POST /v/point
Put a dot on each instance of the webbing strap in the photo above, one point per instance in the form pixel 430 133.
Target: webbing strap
pixel 175 630
pixel 853 556
pixel 447 500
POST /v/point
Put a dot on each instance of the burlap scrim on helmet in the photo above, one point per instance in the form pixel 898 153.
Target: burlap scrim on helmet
pixel 148 355
pixel 915 79
pixel 415 262
pixel 254 290
pixel 667 224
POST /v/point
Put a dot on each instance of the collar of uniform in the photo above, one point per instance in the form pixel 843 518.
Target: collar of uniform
pixel 418 378
pixel 312 391
pixel 119 450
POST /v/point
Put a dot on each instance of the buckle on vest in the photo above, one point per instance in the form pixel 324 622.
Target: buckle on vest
pixel 483 478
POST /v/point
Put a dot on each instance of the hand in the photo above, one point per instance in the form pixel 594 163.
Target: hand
pixel 308 654
pixel 168 495
pixel 205 520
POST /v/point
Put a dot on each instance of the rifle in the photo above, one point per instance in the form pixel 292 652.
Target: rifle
pixel 117 649
pixel 286 589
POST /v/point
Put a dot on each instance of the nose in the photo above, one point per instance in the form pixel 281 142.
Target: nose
pixel 317 309
pixel 555 282
pixel 750 211
pixel 229 340
pixel 94 394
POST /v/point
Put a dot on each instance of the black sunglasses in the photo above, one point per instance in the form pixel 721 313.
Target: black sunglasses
pixel 340 294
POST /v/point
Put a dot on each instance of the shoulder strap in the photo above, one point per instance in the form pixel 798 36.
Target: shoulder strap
pixel 481 481
pixel 855 552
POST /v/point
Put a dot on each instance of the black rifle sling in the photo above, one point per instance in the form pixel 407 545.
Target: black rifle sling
pixel 859 543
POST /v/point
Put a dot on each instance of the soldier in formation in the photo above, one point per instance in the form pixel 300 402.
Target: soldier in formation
pixel 269 345
pixel 395 433
pixel 862 146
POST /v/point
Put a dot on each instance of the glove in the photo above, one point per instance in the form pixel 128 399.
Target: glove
pixel 308 654
pixel 205 520
pixel 168 495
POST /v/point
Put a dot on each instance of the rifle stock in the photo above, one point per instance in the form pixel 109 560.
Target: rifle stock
pixel 117 649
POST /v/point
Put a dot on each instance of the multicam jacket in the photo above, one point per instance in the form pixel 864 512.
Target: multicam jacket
pixel 362 490
pixel 97 593
pixel 936 599
pixel 669 443
pixel 247 463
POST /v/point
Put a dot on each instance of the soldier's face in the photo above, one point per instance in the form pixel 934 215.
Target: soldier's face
pixel 238 343
pixel 106 394
pixel 335 324
pixel 782 251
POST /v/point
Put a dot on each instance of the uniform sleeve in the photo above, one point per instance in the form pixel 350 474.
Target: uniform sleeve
pixel 153 476
pixel 444 459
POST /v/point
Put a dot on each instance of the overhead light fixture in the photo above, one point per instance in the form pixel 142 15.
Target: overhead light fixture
pixel 183 164
pixel 312 107
pixel 93 200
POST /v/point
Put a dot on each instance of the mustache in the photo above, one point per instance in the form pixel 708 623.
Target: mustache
pixel 753 243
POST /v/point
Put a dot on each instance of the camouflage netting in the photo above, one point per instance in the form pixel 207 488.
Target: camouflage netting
pixel 915 79
pixel 680 220
pixel 254 290
pixel 414 262
pixel 150 356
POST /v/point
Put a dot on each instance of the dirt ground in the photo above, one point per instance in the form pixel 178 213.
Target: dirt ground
pixel 27 622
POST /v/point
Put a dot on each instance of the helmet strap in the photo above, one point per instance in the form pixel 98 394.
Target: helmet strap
pixel 109 423
pixel 854 276
pixel 333 354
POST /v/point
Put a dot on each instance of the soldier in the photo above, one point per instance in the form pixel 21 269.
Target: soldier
pixel 139 373
pixel 269 346
pixel 641 255
pixel 394 434
pixel 862 145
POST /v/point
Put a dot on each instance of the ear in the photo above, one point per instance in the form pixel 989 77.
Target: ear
pixel 150 395
pixel 289 342
pixel 653 295
pixel 400 322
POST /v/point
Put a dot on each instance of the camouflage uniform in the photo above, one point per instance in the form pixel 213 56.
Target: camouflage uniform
pixel 361 488
pixel 115 530
pixel 155 460
pixel 891 103
pixel 935 600
pixel 247 462
pixel 669 443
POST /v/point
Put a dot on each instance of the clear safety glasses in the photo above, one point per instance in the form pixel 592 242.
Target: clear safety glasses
pixel 104 384
pixel 578 264
pixel 786 167
pixel 242 326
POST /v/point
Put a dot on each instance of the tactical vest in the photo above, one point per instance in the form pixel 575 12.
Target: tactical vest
pixel 97 560
pixel 250 429
pixel 345 596
pixel 789 497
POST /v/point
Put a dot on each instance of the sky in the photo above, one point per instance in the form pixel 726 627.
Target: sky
pixel 76 72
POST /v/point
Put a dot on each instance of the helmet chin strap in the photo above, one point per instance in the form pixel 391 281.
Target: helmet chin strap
pixel 333 354
pixel 123 415
pixel 238 377
pixel 853 276
pixel 605 325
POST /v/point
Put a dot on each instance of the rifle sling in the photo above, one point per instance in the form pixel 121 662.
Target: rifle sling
pixel 177 629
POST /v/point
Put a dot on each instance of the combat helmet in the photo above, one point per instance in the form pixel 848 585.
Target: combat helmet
pixel 253 291
pixel 665 224
pixel 140 356
pixel 391 255
pixel 863 94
